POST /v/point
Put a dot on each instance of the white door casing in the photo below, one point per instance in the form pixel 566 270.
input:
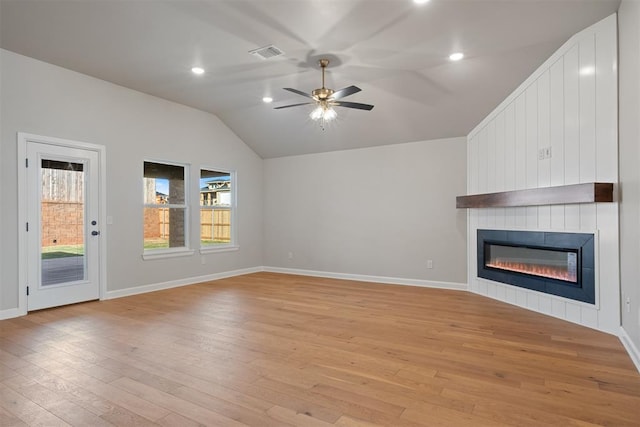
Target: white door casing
pixel 37 287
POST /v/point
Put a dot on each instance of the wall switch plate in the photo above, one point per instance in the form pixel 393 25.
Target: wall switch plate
pixel 429 263
pixel 544 153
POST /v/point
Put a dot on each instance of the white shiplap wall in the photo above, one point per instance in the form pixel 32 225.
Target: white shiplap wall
pixel 570 105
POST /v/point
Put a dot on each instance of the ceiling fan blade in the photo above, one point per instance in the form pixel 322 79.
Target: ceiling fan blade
pixel 345 92
pixel 299 92
pixel 356 105
pixel 293 105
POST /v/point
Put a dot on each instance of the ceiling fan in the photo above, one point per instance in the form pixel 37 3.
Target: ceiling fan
pixel 325 99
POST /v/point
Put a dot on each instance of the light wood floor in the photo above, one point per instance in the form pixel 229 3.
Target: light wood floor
pixel 277 350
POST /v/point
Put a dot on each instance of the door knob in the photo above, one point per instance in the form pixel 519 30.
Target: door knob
pixel 95 233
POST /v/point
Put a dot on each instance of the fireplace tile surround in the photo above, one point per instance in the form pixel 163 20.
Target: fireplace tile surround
pixel 545 253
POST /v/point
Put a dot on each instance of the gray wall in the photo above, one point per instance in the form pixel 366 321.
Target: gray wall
pixel 43 99
pixel 381 211
pixel 629 140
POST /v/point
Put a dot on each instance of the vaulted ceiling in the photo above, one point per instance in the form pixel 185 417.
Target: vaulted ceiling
pixel 396 51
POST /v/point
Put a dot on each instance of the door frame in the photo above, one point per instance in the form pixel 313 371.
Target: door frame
pixel 22 140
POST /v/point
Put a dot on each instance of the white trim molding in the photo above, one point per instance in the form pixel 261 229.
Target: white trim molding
pixel 142 289
pixel 372 279
pixel 215 249
pixel 627 342
pixel 166 253
pixel 11 313
pixel 22 138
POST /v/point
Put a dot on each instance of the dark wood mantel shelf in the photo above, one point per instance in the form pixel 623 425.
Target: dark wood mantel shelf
pixel 591 192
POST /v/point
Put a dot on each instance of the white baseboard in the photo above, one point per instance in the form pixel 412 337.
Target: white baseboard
pixel 373 279
pixel 628 344
pixel 177 283
pixel 10 313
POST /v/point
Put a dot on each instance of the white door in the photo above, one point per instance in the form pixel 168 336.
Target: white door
pixel 63 232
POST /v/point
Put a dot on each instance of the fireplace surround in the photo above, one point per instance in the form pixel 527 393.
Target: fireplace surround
pixel 554 263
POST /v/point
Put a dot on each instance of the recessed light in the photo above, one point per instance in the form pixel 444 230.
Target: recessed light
pixel 420 1
pixel 267 99
pixel 197 70
pixel 456 56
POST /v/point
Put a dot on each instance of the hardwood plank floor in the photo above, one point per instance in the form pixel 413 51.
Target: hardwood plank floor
pixel 278 350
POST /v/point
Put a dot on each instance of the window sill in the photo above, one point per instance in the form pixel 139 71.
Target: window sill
pixel 214 249
pixel 167 253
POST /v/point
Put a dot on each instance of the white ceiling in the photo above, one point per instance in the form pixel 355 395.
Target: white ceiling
pixel 394 50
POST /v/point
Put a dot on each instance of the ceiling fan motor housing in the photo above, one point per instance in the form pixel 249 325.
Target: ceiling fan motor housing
pixel 325 98
pixel 322 93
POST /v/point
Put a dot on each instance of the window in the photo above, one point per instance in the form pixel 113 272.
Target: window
pixel 165 209
pixel 217 200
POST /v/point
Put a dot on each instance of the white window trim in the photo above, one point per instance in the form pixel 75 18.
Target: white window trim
pixel 150 254
pixel 218 248
pixel 233 245
pixel 186 250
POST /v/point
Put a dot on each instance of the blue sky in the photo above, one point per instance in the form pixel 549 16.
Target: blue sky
pixel 162 186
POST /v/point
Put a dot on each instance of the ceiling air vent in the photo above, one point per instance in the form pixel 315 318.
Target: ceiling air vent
pixel 267 52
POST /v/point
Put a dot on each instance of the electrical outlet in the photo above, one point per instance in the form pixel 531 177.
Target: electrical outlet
pixel 290 255
pixel 429 263
pixel 544 153
pixel 203 260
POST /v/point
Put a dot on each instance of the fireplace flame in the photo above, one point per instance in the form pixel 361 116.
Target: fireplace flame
pixel 549 271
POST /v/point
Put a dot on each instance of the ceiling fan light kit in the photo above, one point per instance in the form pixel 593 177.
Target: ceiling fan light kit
pixel 324 112
pixel 325 99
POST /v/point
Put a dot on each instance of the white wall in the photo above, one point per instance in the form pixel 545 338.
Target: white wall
pixel 629 128
pixel 379 212
pixel 570 105
pixel 43 99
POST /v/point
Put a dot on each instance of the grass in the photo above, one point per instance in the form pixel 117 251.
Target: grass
pixel 206 242
pixel 156 244
pixel 62 251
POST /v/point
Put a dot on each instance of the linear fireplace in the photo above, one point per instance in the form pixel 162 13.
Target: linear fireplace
pixel 560 264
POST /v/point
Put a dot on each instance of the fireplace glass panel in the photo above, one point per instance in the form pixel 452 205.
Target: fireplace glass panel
pixel 548 263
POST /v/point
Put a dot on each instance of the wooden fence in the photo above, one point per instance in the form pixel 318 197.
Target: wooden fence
pixel 64 223
pixel 62 185
pixel 215 224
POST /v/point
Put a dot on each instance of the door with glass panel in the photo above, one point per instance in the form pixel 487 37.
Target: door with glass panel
pixel 62 231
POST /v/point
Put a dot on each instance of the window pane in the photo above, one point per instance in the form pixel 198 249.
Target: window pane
pixel 215 226
pixel 62 213
pixel 215 207
pixel 163 183
pixel 164 227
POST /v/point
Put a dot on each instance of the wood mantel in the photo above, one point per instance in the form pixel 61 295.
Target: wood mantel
pixel 591 192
